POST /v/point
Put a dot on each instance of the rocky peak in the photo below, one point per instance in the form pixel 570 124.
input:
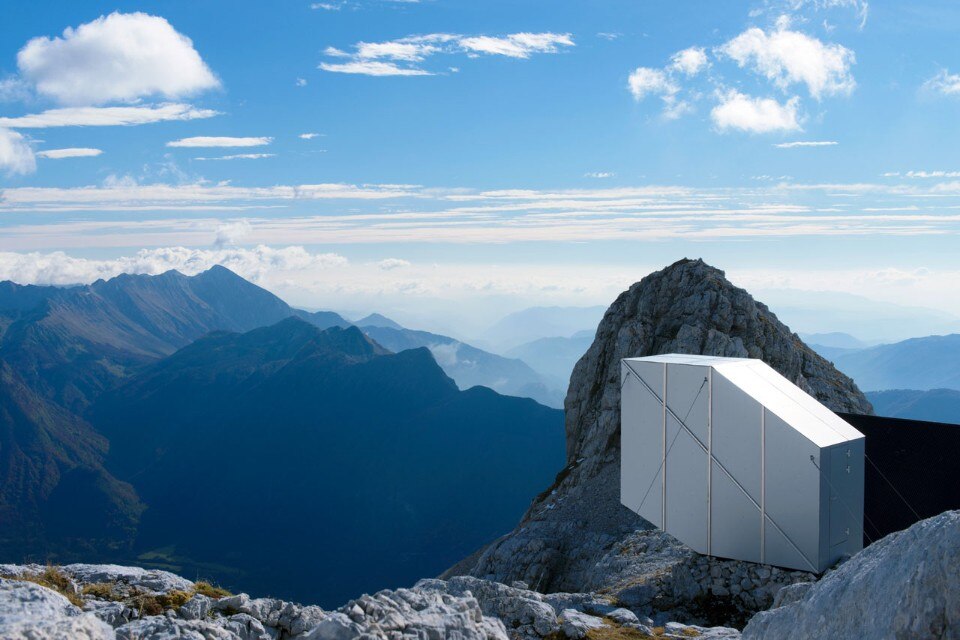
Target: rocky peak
pixel 688 307
pixel 576 536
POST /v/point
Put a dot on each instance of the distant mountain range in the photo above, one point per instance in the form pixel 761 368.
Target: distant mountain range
pixel 935 405
pixel 470 366
pixel 834 340
pixel 917 378
pixel 554 358
pixel 926 363
pixel 146 415
pixel 71 343
pixel 873 321
pixel 540 322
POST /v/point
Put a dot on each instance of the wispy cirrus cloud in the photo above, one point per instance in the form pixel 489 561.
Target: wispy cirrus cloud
pixel 220 141
pixel 403 214
pixel 806 143
pixel 240 156
pixel 73 152
pixel 107 116
pixel 403 56
pixel 922 174
pixel 944 83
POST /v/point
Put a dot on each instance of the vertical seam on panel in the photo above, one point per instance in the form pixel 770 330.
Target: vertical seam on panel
pixel 709 460
pixel 663 484
pixel 763 483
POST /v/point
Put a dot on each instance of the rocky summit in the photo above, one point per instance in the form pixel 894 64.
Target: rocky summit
pixel 109 602
pixel 904 586
pixel 576 536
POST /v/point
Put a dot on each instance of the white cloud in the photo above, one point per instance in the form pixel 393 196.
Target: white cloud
pixel 389 264
pixel 301 82
pixel 372 68
pixel 944 82
pixel 241 156
pixel 231 233
pixel 608 35
pixel 16 156
pixel 923 174
pixel 115 58
pixel 446 355
pixel 756 115
pixel 408 50
pixel 788 57
pixel 645 81
pixel 58 268
pixel 327 6
pixel 74 152
pixel 402 57
pixel 309 136
pixel 599 174
pixel 219 141
pixel 125 193
pixel 805 143
pixel 400 216
pixel 106 116
pixel 14 89
pixel 690 61
pixel 517 45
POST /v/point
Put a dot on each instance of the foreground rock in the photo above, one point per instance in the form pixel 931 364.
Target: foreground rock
pixel 576 536
pixel 904 586
pixel 128 603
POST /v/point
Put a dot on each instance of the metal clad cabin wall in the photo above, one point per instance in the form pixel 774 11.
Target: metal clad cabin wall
pixel 792 497
pixel 686 488
pixel 735 519
pixel 641 441
pixel 846 499
pixel 687 397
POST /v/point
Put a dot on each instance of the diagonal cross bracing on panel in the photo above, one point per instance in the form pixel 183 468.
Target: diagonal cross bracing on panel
pixel 720 465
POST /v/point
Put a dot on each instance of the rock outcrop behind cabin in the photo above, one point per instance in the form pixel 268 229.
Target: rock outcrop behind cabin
pixel 576 536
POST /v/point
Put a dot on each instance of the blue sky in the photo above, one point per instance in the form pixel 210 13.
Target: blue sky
pixel 472 158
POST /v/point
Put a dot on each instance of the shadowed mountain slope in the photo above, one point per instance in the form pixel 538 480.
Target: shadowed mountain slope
pixel 54 492
pixel 373 469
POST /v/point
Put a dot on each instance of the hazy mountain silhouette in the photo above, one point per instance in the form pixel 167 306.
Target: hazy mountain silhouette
pixel 377 320
pixel 470 366
pixel 541 322
pixel 934 405
pixel 918 363
pixel 554 358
